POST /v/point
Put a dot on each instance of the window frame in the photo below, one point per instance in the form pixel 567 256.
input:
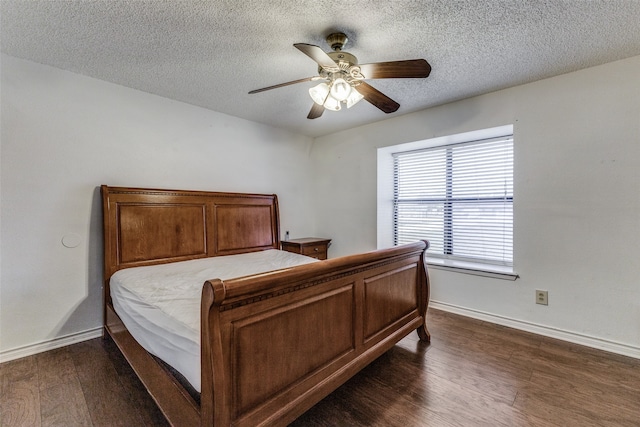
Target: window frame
pixel 386 196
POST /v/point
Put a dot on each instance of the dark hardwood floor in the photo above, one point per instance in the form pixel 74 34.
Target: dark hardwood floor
pixel 472 374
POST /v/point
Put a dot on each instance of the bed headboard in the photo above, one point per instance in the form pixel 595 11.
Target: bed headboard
pixel 149 226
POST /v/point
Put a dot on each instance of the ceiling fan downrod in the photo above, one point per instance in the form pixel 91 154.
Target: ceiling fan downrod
pixel 337 41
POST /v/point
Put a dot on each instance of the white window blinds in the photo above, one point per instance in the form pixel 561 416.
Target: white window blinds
pixel 459 197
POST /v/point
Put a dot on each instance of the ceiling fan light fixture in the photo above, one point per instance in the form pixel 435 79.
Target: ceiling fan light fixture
pixel 343 78
pixel 340 89
pixel 319 93
pixel 354 97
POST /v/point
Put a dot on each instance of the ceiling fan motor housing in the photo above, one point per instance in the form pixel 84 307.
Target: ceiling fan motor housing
pixel 348 65
pixel 343 57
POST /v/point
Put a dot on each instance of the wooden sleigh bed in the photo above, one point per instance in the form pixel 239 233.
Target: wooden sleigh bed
pixel 273 344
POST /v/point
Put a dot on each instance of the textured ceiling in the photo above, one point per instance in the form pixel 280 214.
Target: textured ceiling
pixel 211 53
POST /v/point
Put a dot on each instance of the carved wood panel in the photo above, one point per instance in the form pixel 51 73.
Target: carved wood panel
pixel 389 297
pixel 155 232
pixel 242 227
pixel 317 332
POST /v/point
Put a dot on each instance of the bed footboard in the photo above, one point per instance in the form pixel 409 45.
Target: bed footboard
pixel 275 344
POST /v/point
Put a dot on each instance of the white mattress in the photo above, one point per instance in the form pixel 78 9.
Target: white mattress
pixel 160 304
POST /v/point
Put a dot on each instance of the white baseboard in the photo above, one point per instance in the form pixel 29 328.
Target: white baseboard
pixel 43 346
pixel 573 337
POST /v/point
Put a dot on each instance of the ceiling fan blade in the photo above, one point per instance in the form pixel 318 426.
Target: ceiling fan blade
pixel 377 98
pixel 307 79
pixel 412 68
pixel 316 111
pixel 318 55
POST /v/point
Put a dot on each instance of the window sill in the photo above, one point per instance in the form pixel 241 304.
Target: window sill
pixel 476 269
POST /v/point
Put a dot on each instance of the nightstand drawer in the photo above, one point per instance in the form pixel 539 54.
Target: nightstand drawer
pixel 314 250
pixel 309 246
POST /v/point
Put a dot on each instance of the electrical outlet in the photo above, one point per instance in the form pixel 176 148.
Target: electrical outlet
pixel 542 297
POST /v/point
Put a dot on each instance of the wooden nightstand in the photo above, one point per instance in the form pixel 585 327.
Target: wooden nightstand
pixel 314 247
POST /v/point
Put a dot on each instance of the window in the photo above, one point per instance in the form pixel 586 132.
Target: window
pixel 455 191
pixel 459 197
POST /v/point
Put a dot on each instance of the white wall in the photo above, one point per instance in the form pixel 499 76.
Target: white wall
pixel 62 136
pixel 577 201
pixel 576 209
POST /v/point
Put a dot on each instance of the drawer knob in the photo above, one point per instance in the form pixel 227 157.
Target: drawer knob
pixel 315 249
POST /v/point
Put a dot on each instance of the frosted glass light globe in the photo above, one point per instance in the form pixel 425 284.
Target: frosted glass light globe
pixel 319 93
pixel 354 97
pixel 332 104
pixel 340 89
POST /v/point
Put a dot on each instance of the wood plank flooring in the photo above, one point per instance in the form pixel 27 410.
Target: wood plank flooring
pixel 472 374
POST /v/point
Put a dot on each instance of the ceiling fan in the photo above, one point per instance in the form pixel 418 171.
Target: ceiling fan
pixel 342 78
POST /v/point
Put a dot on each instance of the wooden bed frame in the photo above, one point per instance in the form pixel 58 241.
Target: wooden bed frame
pixel 273 344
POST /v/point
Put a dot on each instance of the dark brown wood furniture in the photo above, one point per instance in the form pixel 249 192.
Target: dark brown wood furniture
pixel 314 247
pixel 273 344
